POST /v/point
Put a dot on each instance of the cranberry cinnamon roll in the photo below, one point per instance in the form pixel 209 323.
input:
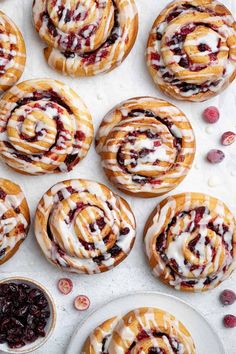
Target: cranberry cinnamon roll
pixel 14 219
pixel 191 51
pixel 44 127
pixel 147 146
pixel 190 241
pixel 12 53
pixel 86 38
pixel 145 330
pixel 82 227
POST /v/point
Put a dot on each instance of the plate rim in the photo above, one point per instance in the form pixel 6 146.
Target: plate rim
pixel 130 293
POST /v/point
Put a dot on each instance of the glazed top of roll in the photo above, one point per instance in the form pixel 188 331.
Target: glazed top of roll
pixel 147 146
pixel 190 241
pixel 144 330
pixel 45 127
pixel 83 227
pixel 191 51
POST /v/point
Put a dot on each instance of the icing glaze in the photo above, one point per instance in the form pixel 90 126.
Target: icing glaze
pixel 83 227
pixel 144 331
pixel 190 242
pixel 44 127
pixel 191 52
pixel 86 37
pixel 147 146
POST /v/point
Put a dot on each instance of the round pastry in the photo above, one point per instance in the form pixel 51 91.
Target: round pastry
pixel 191 50
pixel 44 127
pixel 190 241
pixel 86 38
pixel 14 219
pixel 145 330
pixel 12 53
pixel 82 227
pixel 147 146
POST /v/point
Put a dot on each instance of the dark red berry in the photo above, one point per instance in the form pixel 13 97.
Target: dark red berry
pixel 227 297
pixel 23 314
pixel 211 115
pixel 230 321
pixel 215 156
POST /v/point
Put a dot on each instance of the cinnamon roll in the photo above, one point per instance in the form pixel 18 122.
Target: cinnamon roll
pixel 191 50
pixel 144 330
pixel 147 146
pixel 190 241
pixel 14 219
pixel 82 227
pixel 12 53
pixel 44 127
pixel 86 38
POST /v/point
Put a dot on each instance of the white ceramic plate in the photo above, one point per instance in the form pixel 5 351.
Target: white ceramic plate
pixel 205 338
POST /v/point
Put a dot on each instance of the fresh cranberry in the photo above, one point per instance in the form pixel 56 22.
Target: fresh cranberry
pixel 65 286
pixel 227 297
pixel 81 303
pixel 228 138
pixel 215 156
pixel 230 321
pixel 211 114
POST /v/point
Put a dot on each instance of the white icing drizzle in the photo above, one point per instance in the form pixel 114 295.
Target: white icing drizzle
pixel 91 228
pixel 146 145
pixel 200 251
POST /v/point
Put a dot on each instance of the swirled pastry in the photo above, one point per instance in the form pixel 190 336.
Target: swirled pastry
pixel 147 146
pixel 44 127
pixel 82 227
pixel 191 51
pixel 86 38
pixel 12 53
pixel 14 219
pixel 144 330
pixel 190 241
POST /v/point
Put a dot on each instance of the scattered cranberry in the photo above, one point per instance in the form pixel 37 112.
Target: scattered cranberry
pixel 211 115
pixel 24 312
pixel 228 138
pixel 215 156
pixel 65 286
pixel 227 297
pixel 230 321
pixel 81 303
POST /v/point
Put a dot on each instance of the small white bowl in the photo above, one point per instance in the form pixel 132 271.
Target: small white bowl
pixel 30 347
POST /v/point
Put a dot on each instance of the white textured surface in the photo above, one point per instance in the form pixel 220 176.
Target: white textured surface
pixel 101 94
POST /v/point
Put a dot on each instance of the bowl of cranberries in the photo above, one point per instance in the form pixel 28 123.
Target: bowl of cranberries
pixel 27 315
